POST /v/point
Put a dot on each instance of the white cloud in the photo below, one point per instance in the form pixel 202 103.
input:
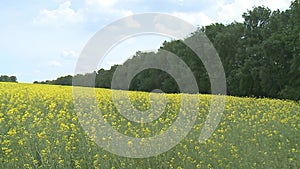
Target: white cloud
pixel 102 3
pixel 171 32
pixel 229 12
pixel 107 10
pixel 280 4
pixel 195 18
pixel 62 15
pixel 69 54
pixel 131 23
pixel 55 63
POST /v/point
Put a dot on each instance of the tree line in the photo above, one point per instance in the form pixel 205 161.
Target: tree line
pixel 261 58
pixel 5 78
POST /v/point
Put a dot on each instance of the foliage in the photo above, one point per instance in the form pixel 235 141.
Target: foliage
pixel 261 57
pixel 5 78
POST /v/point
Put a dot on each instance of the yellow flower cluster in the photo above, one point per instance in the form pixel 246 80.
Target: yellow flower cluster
pixel 39 128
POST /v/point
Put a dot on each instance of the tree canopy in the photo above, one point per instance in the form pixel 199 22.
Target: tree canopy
pixel 261 57
pixel 5 78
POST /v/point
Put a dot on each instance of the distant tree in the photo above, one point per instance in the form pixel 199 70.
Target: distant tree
pixel 65 80
pixel 291 89
pixel 13 79
pixel 261 57
pixel 5 78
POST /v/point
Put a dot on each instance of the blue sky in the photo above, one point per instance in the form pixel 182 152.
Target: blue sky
pixel 42 39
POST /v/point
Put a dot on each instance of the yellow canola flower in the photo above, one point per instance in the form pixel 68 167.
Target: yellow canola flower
pixel 12 132
pixel 41 129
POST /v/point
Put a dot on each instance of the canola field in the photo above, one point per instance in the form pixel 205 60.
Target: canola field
pixel 39 128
